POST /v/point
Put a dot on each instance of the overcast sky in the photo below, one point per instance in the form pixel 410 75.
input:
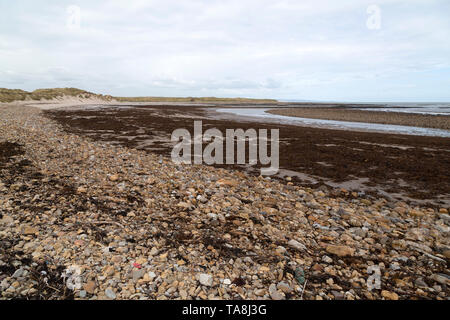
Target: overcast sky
pixel 352 50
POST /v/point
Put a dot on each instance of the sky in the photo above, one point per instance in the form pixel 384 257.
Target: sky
pixel 319 50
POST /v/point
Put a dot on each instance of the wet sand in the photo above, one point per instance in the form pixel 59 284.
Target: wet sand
pixel 344 114
pixel 410 168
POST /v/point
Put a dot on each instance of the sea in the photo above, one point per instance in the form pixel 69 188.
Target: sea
pixel 421 108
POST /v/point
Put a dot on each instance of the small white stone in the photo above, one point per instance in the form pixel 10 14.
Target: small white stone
pixel 296 245
pixel 205 279
pixel 110 294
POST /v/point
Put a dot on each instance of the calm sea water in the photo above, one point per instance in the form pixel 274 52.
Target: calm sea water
pixel 262 114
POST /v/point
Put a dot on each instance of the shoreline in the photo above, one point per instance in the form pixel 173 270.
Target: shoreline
pixel 262 115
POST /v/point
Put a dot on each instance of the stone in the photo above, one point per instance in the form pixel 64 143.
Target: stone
pixel 400 210
pixel 4 284
pixel 264 269
pixel 420 283
pixel 340 251
pixel 446 253
pixel 113 177
pixel 116 259
pixel 109 271
pixel 183 294
pixel 395 266
pixel 184 205
pixel 212 216
pixel 388 295
pixel 416 213
pixel 90 287
pixel 317 267
pixel 227 182
pixel 441 278
pixel 18 273
pixel 205 279
pixel 415 234
pixel 275 294
pixel 78 243
pixel 137 274
pixel 259 292
pixel 28 230
pixel 284 287
pixel 272 288
pixel 337 295
pixel 6 220
pixel 110 293
pixel 296 245
pixel 437 288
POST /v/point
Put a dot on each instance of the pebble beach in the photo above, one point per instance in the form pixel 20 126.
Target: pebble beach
pixel 84 219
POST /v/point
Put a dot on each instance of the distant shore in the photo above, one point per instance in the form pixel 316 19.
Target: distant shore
pixel 342 114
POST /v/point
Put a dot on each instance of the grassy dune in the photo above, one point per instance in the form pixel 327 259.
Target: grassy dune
pixel 10 95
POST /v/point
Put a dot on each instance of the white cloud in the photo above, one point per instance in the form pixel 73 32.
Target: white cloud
pixel 317 49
